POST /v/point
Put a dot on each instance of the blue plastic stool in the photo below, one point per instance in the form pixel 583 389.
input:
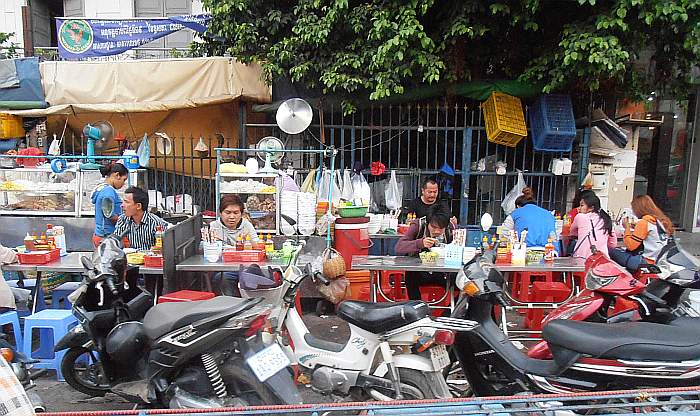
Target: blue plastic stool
pixel 12 318
pixel 60 294
pixel 59 322
pixel 28 283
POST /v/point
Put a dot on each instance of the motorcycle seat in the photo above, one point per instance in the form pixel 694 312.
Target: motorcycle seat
pixel 165 317
pixel 381 317
pixel 626 340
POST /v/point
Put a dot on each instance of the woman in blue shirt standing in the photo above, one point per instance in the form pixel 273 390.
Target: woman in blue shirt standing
pixel 108 204
pixel 539 222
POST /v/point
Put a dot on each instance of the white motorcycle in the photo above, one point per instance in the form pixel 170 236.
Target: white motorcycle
pixel 395 350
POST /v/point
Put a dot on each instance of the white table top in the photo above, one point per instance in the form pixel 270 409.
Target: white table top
pixel 400 263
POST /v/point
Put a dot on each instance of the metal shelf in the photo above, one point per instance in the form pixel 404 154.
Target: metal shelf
pixel 11 212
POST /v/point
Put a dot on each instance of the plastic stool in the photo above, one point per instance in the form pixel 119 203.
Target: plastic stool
pixel 433 293
pixel 12 318
pixel 549 292
pixel 393 286
pixel 185 296
pixel 59 322
pixel 60 294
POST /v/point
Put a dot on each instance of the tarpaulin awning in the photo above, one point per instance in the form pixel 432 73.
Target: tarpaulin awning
pixel 21 89
pixel 134 86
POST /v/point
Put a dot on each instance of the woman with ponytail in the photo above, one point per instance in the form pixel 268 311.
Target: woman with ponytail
pixel 108 204
pixel 592 226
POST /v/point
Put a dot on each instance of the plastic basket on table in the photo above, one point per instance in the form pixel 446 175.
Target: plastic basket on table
pixel 552 123
pixel 453 255
pixel 504 119
pixel 243 256
pixel 39 256
pixel 154 262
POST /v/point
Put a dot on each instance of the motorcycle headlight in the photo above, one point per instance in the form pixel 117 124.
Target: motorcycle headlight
pixel 594 281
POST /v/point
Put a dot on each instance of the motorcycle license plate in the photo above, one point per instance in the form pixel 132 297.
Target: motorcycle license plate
pixel 267 362
pixel 440 357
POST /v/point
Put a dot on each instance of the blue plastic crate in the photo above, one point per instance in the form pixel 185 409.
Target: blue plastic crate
pixel 552 123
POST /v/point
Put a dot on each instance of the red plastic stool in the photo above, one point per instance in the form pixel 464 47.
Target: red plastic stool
pixel 549 292
pixel 185 296
pixel 393 286
pixel 432 293
pixel 521 285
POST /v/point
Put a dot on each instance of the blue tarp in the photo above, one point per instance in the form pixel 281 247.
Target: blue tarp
pixel 30 93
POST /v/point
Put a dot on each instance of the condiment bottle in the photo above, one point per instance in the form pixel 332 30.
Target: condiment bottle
pixel 549 251
pixel 159 237
pixel 485 243
pixel 248 245
pixel 269 244
pixel 239 243
pixel 29 242
pixel 50 240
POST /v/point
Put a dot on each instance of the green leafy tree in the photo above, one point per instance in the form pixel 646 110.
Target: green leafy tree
pixel 382 48
pixel 8 49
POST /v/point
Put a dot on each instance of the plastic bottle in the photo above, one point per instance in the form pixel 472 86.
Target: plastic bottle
pixel 269 244
pixel 485 243
pixel 59 235
pixel 239 243
pixel 248 245
pixel 29 242
pixel 50 240
pixel 549 251
pixel 159 238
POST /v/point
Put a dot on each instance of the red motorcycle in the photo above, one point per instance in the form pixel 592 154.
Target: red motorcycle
pixel 612 294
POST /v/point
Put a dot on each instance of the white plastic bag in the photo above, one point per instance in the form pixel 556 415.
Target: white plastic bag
pixel 361 191
pixel 322 192
pixel 392 193
pixel 347 186
pixel 508 203
pixel 309 184
pixel 144 152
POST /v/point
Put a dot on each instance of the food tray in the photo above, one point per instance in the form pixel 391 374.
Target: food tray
pixel 39 257
pixel 155 262
pixel 231 256
pixel 504 119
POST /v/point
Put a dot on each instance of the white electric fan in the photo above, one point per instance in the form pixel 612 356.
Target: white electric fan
pixel 99 136
pixel 270 143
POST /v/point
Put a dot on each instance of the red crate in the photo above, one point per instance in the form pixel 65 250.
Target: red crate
pixel 243 256
pixel 155 262
pixel 185 296
pixel 39 257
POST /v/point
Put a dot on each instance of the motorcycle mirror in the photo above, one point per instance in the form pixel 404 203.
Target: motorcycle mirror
pixel 486 221
pixel 87 263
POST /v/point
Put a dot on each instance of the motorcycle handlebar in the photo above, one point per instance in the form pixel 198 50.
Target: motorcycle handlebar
pixel 321 278
pixel 109 282
pixel 501 299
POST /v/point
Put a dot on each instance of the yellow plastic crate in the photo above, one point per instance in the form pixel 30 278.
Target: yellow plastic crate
pixel 10 126
pixel 504 119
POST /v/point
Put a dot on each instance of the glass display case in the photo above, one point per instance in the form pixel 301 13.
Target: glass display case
pixel 260 195
pixel 38 192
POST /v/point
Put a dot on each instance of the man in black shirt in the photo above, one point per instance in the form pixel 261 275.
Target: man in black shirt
pixel 428 197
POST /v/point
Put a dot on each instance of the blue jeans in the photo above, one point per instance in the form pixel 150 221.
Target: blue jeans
pixel 631 261
pixel 227 282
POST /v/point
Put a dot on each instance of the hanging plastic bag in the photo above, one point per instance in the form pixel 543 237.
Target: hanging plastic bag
pixel 336 291
pixel 392 193
pixel 508 203
pixel 347 186
pixel 360 190
pixel 323 190
pixel 309 184
pixel 144 151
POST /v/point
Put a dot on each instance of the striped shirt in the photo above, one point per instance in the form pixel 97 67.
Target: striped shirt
pixel 141 236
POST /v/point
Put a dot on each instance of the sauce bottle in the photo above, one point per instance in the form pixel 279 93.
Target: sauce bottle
pixel 269 244
pixel 50 240
pixel 549 251
pixel 248 245
pixel 29 242
pixel 239 243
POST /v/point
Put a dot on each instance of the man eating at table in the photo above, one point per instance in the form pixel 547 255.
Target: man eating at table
pixel 423 234
pixel 137 224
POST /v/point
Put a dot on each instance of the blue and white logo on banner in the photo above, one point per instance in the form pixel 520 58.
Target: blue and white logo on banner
pixel 85 38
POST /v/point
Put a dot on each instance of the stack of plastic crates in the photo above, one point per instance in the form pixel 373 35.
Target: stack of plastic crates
pixel 504 119
pixel 552 123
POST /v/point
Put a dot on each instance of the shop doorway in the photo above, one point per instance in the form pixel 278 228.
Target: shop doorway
pixel 662 159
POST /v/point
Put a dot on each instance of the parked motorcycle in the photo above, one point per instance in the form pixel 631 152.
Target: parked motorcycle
pixel 22 368
pixel 178 355
pixel 656 293
pixel 394 351
pixel 587 356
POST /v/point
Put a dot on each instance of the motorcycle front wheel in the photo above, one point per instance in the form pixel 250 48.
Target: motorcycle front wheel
pixel 82 370
pixel 241 383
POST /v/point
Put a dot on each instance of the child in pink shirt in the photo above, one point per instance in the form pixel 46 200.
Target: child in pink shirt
pixel 595 223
